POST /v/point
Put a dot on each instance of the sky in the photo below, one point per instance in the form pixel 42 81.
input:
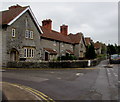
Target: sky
pixel 98 20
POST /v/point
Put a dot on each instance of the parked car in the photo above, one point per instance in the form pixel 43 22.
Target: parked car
pixel 114 59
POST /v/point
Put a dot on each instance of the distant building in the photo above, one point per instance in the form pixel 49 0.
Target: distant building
pixel 100 48
pixel 88 41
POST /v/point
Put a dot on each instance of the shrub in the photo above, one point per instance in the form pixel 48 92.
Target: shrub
pixel 90 52
pixel 67 57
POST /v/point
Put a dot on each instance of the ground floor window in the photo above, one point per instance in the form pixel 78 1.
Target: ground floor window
pixel 29 52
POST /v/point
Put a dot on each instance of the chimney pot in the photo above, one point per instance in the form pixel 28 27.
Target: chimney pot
pixel 64 29
pixel 47 24
pixel 15 6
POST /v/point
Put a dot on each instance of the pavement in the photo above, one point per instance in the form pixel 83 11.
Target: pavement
pixel 19 92
pixel 97 83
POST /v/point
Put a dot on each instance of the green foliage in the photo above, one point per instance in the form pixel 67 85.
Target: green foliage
pixel 90 52
pixel 101 55
pixel 67 57
pixel 118 49
pixel 111 49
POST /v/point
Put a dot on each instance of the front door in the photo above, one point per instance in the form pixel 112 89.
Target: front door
pixel 46 56
pixel 14 55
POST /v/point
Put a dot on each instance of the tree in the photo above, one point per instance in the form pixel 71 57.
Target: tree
pixel 118 49
pixel 111 49
pixel 90 52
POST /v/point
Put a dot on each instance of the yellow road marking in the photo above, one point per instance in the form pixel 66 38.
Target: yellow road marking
pixel 41 94
pixel 36 92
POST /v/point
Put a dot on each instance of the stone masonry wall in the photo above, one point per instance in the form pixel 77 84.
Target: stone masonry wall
pixel 54 64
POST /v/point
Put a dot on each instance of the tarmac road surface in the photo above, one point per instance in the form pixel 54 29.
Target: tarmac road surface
pixel 98 83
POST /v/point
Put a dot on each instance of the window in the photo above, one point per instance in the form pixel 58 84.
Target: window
pixel 31 34
pixel 32 53
pixel 81 45
pixel 26 33
pixel 25 52
pixel 13 32
pixel 28 52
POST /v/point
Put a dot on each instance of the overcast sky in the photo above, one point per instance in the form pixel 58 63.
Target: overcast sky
pixel 98 20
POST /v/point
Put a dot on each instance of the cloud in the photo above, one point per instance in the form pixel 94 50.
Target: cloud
pixel 94 19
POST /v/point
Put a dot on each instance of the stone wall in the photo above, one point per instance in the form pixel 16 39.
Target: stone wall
pixel 54 64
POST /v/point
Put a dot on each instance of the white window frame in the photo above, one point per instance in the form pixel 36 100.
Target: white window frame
pixel 29 52
pixel 25 52
pixel 26 33
pixel 13 32
pixel 32 52
pixel 31 34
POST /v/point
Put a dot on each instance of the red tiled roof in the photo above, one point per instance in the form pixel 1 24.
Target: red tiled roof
pixel 51 51
pixel 54 35
pixel 10 14
pixel 69 51
pixel 88 41
pixel 76 38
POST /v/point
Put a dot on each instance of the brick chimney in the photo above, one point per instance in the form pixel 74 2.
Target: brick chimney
pixel 47 24
pixel 15 6
pixel 64 29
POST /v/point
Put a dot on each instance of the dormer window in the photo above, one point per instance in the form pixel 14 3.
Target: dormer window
pixel 13 32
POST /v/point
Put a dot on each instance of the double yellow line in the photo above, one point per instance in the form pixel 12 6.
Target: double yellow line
pixel 35 92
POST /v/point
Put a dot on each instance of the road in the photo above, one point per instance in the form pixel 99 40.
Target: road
pixel 98 83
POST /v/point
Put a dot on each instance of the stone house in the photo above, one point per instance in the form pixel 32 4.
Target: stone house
pixel 23 39
pixel 20 35
pixel 100 48
pixel 61 43
pixel 88 41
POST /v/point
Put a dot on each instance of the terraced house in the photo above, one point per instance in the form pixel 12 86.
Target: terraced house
pixel 23 39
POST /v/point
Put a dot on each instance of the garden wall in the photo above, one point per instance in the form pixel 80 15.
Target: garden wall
pixel 54 64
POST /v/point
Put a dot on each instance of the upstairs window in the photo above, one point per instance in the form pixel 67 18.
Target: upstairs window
pixel 29 34
pixel 81 45
pixel 26 33
pixel 13 32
